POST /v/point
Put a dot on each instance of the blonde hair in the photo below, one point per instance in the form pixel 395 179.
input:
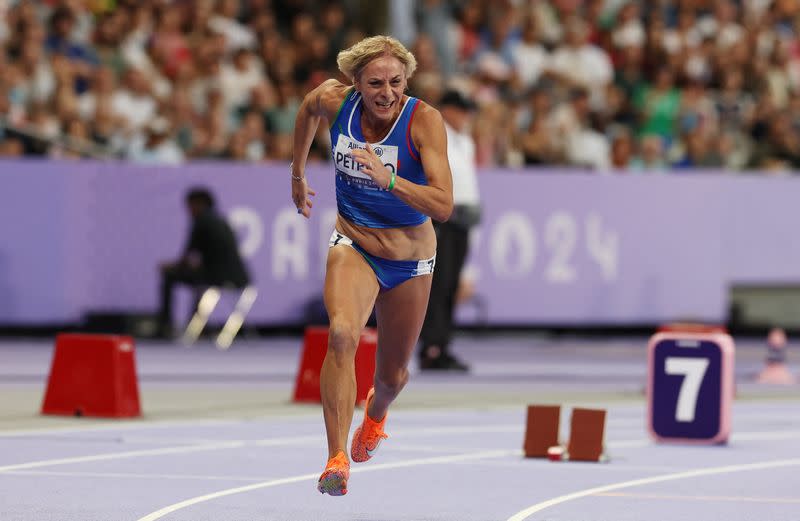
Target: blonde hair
pixel 353 60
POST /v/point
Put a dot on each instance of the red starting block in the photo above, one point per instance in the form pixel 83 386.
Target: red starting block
pixel 541 430
pixel 93 375
pixel 586 435
pixel 315 345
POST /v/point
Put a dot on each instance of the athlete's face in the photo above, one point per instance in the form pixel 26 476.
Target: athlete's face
pixel 381 84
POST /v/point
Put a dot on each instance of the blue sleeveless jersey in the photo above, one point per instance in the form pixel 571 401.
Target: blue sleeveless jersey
pixel 358 198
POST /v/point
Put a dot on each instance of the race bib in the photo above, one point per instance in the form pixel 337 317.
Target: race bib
pixel 347 166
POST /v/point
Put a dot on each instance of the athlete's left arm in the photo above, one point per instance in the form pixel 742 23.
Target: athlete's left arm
pixel 430 138
pixel 434 199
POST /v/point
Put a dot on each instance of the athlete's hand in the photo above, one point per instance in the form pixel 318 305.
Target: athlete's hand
pixel 301 195
pixel 372 165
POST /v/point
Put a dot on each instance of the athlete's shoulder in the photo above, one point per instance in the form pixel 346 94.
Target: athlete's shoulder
pixel 426 115
pixel 427 120
pixel 331 94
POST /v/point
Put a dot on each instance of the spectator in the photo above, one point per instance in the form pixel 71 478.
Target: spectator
pixel 537 142
pixel 104 128
pixel 60 41
pixel 334 28
pixel 732 66
pixel 239 77
pixel 577 141
pixel 282 115
pixel 496 52
pixel 225 22
pixel 621 149
pixel 108 39
pixel 529 56
pixel 101 89
pixel 11 147
pixel 468 39
pixel 169 45
pixel 628 30
pixel 651 155
pixel 659 104
pixel 134 103
pixel 580 64
pixel 722 25
pixel 75 139
pixel 697 110
pixel 38 81
pixel 157 145
pixel 45 125
pixel 734 106
pixel 701 151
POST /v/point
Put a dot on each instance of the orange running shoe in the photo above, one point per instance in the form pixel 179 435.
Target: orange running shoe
pixel 368 436
pixel 333 480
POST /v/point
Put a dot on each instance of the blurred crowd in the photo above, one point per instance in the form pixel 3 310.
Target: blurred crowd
pixel 608 85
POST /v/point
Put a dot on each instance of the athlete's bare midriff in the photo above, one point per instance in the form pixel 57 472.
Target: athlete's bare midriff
pixel 406 243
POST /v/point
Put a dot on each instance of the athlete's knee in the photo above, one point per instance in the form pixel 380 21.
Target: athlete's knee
pixel 391 383
pixel 343 337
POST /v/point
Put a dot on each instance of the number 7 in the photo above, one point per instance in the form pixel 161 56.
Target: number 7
pixel 693 370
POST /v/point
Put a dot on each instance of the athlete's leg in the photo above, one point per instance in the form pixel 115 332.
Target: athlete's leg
pixel 400 313
pixel 350 292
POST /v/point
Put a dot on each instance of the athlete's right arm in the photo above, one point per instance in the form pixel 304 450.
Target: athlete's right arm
pixel 322 102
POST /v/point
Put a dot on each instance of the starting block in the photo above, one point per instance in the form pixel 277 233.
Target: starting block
pixel 587 431
pixel 690 385
pixel 93 375
pixel 586 434
pixel 315 346
pixel 541 431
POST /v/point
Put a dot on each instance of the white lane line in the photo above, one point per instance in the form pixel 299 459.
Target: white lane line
pixel 134 424
pixel 300 440
pixel 132 475
pixel 108 426
pixel 145 423
pixel 121 455
pixel 400 433
pixel 307 477
pixel 538 507
pixel 453 449
pixel 451 459
pixel 459 429
pixel 702 498
pixel 223 445
pixel 616 467
pixel 235 444
pixel 769 435
pixel 507 429
pixel 735 438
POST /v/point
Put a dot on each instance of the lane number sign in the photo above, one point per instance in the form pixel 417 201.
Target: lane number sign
pixel 690 386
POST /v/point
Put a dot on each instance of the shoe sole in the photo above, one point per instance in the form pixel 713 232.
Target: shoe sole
pixel 333 483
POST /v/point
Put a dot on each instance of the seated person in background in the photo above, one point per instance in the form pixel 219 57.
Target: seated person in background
pixel 210 258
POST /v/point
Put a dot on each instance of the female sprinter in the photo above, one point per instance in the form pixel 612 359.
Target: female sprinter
pixel 392 176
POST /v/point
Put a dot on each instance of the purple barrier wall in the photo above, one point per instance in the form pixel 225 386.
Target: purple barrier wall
pixel 567 248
